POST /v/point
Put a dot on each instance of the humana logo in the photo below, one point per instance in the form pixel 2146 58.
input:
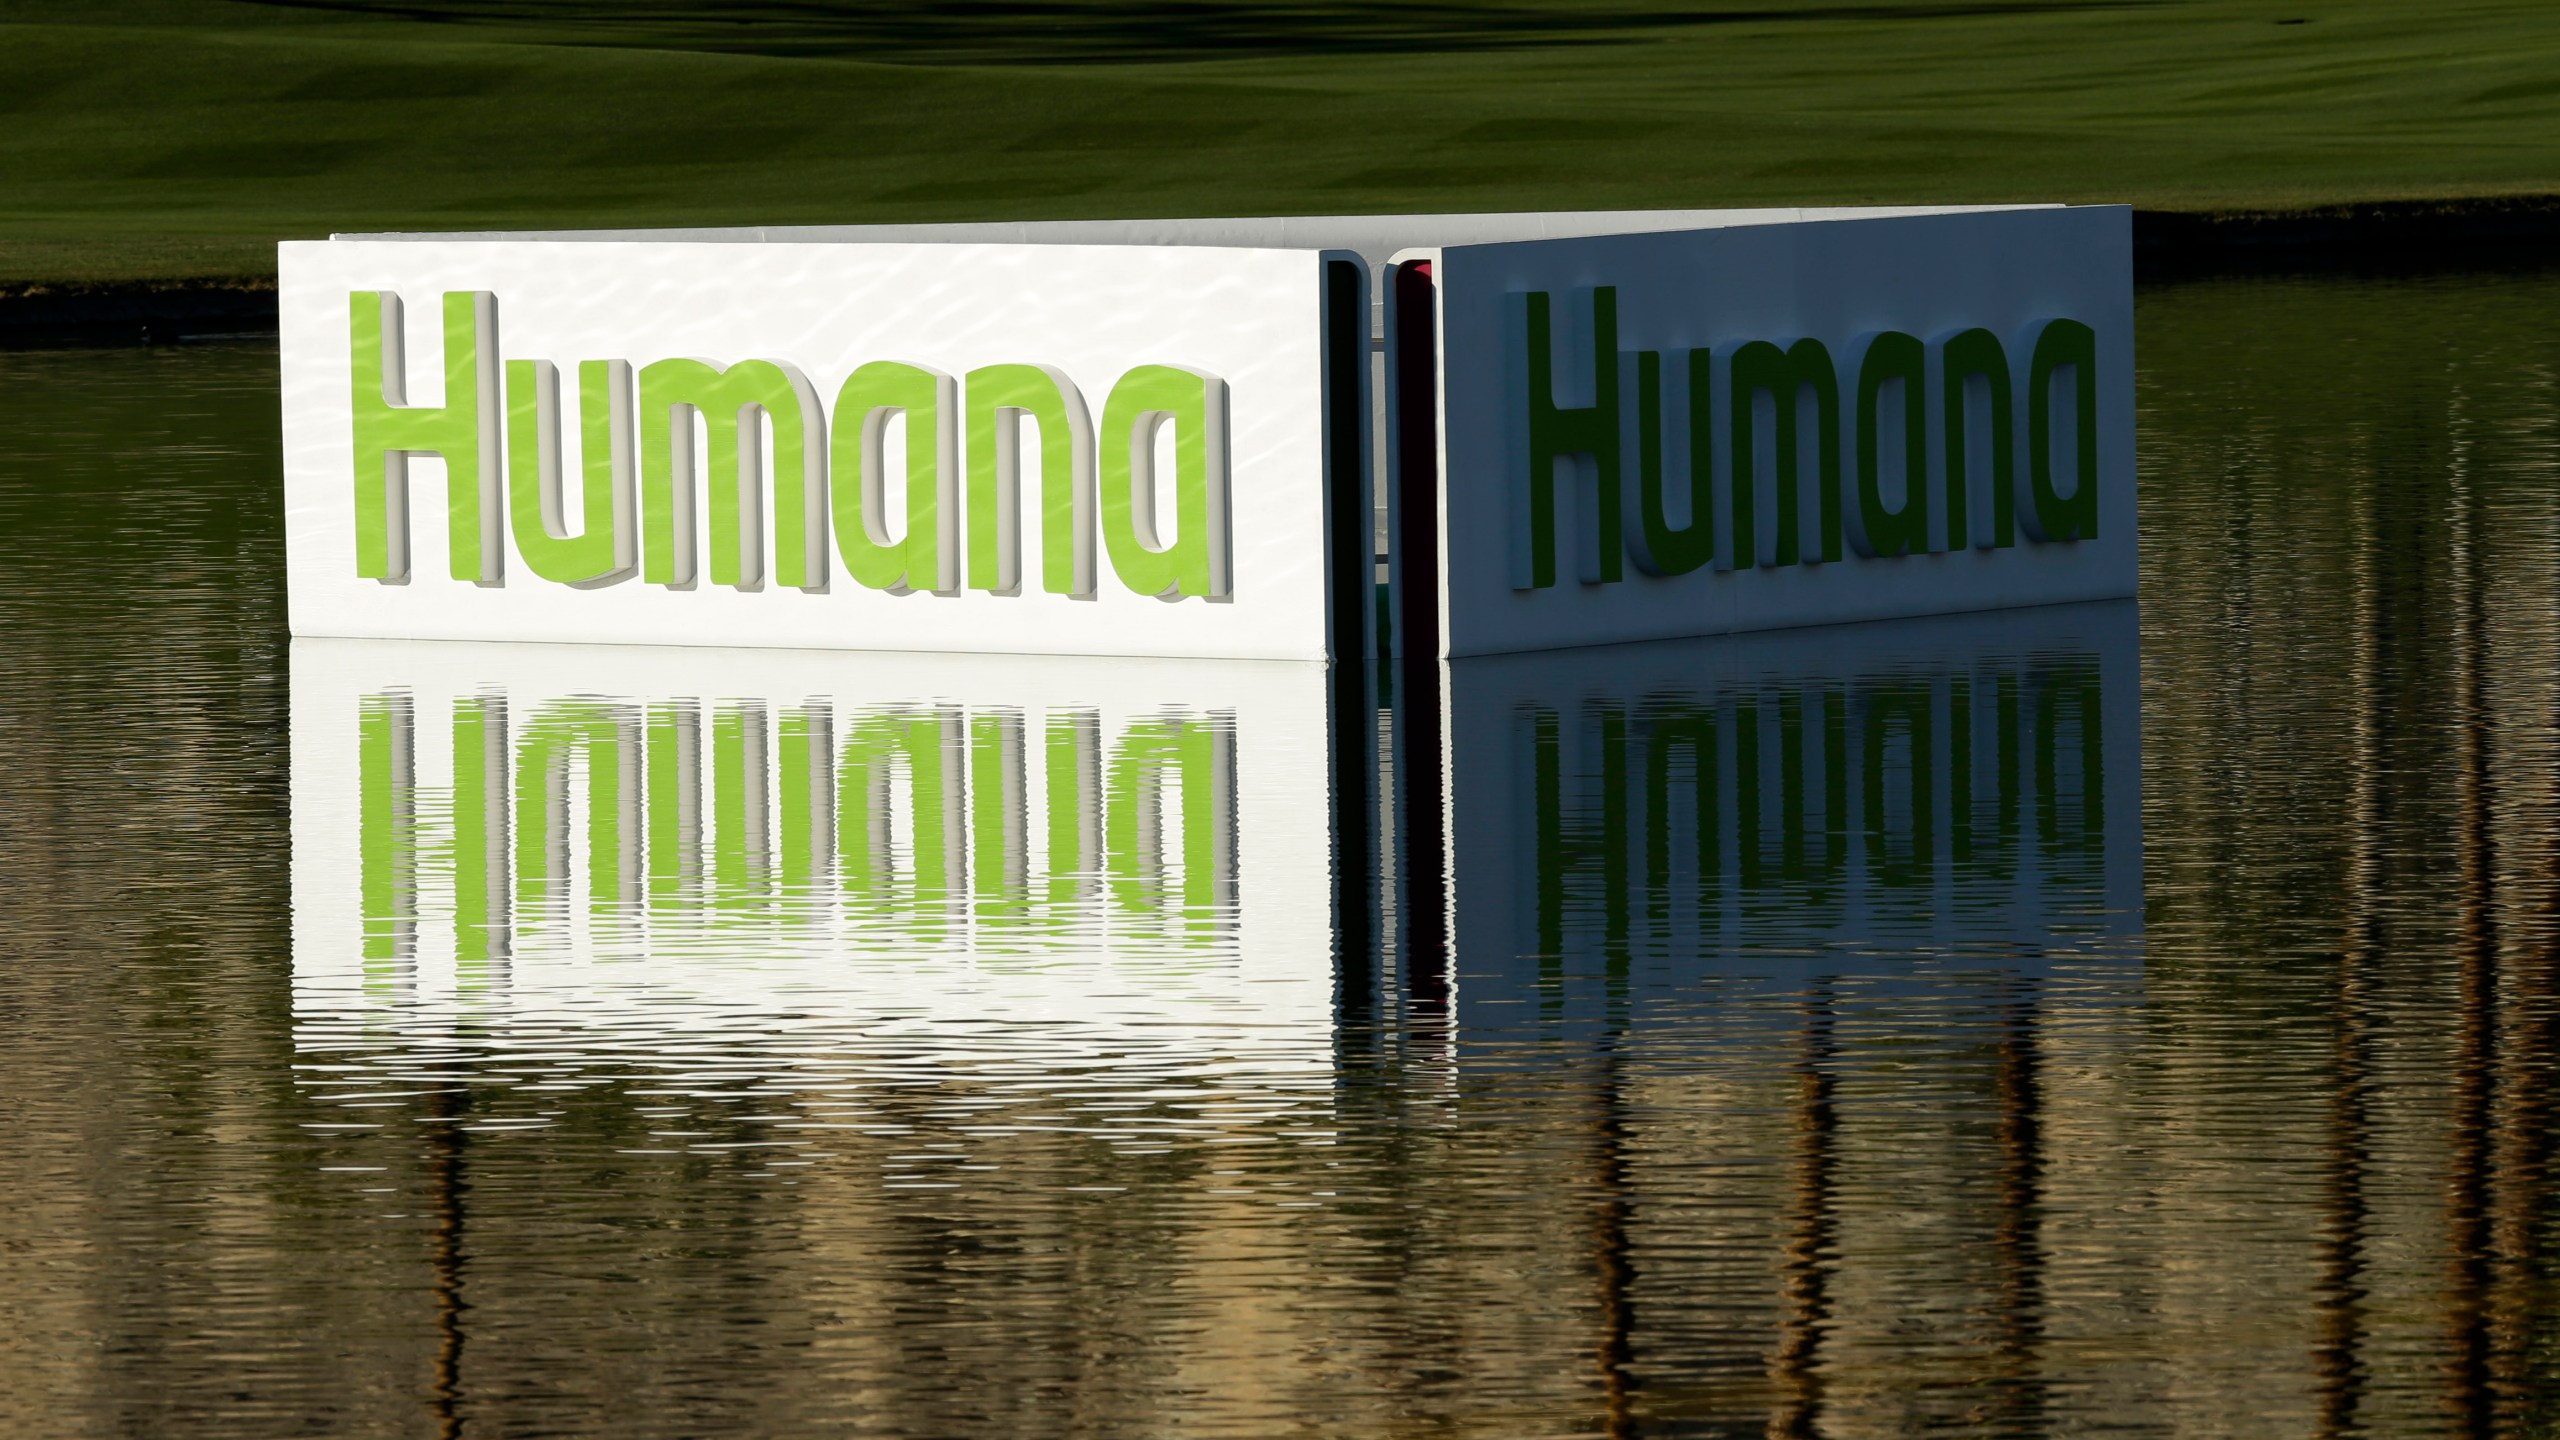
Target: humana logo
pixel 1881 502
pixel 636 518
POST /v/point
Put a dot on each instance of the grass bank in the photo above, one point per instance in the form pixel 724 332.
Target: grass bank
pixel 146 141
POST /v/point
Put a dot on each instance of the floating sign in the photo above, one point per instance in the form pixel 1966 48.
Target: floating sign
pixel 1156 438
pixel 1628 437
pixel 1097 450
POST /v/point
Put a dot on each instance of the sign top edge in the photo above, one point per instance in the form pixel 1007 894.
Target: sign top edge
pixel 1375 235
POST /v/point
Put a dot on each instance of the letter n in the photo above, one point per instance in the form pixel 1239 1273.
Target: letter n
pixel 1972 362
pixel 1895 366
pixel 927 555
pixel 999 398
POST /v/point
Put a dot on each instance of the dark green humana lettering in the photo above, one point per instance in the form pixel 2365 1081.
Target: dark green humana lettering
pixel 1906 855
pixel 600 551
pixel 390 432
pixel 2063 347
pixel 1984 736
pixel 999 399
pixel 1660 547
pixel 1811 747
pixel 1786 374
pixel 1896 364
pixel 1581 826
pixel 730 401
pixel 1544 432
pixel 2070 706
pixel 1683 733
pixel 1971 362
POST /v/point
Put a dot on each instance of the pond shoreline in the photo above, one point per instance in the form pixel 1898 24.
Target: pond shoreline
pixel 2168 244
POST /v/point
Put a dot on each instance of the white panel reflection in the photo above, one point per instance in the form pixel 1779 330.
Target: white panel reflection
pixel 801 872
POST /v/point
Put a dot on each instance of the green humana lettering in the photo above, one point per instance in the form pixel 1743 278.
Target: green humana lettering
pixel 1970 363
pixel 999 816
pixel 806 802
pixel 1194 561
pixel 925 555
pixel 387 841
pixel 483 917
pixel 1199 752
pixel 731 402
pixel 742 871
pixel 672 776
pixel 1072 760
pixel 1545 431
pixel 602 550
pixel 1659 547
pixel 390 432
pixel 2063 348
pixel 1786 374
pixel 608 737
pixel 999 399
pixel 926 744
pixel 1894 365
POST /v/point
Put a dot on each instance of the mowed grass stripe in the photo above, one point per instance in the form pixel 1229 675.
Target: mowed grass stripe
pixel 144 139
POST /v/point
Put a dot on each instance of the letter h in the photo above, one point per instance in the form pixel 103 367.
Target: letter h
pixel 1541 432
pixel 464 432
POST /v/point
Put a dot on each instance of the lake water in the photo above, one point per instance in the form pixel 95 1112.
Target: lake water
pixel 2045 1023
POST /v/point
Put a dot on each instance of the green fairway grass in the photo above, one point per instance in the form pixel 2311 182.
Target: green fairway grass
pixel 179 139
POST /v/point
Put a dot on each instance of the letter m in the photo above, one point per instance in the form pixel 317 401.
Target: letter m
pixel 463 432
pixel 730 403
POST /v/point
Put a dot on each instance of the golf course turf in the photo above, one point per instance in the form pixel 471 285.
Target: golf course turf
pixel 163 140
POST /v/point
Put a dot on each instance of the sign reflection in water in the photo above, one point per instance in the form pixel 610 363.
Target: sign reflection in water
pixel 1964 788
pixel 638 850
pixel 1009 933
pixel 654 846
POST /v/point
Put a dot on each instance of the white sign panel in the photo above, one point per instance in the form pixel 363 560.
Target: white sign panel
pixel 1652 435
pixel 959 447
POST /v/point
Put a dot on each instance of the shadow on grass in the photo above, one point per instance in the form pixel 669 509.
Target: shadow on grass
pixel 1033 32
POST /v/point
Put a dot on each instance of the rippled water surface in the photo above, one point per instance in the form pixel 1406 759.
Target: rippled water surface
pixel 2044 1023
